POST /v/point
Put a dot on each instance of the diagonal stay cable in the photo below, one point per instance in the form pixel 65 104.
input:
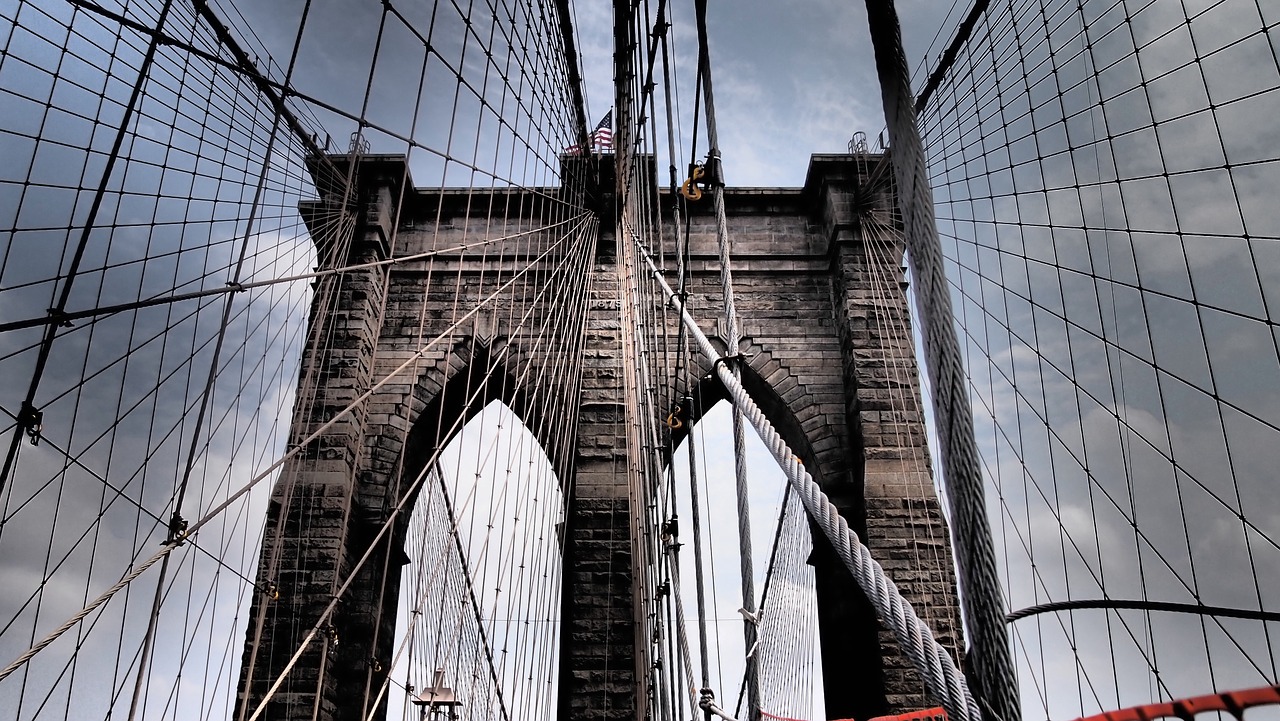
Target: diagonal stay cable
pixel 942 678
pixel 341 589
pixel 29 412
pixel 67 317
pixel 217 510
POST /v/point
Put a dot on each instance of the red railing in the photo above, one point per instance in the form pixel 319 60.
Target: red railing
pixel 1233 702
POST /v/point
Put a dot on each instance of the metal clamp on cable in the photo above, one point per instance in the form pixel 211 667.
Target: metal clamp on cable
pixel 59 317
pixel 31 421
pixel 679 412
pixel 713 175
pixel 177 530
pixel 726 359
pixel 707 702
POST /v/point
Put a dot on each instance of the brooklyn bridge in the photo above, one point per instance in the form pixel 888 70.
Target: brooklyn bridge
pixel 401 360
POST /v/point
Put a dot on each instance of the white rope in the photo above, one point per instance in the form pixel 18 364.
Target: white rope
pixel 941 676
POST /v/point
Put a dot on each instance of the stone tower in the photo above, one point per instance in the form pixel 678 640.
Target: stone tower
pixel 828 356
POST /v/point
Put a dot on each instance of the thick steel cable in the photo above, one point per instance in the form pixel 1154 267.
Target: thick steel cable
pixel 981 599
pixel 942 678
pixel 732 339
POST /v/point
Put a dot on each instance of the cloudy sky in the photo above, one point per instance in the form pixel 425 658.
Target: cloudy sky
pixel 791 79
pixel 1145 362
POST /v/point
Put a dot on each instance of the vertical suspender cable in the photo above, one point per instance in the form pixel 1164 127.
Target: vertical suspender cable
pixel 731 333
pixel 981 599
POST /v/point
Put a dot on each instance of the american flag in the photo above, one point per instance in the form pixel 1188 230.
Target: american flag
pixel 601 138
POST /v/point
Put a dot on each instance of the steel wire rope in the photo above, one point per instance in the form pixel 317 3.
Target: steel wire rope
pixel 388 132
pixel 62 474
pixel 1261 532
pixel 244 489
pixel 1055 502
pixel 1214 381
pixel 658 385
pixel 251 285
pixel 1139 533
pixel 511 596
pixel 478 619
pixel 485 85
pixel 142 509
pixel 651 356
pixel 205 396
pixel 893 328
pixel 1122 416
pixel 1173 375
pixel 1122 413
pixel 560 418
pixel 343 228
pixel 945 681
pixel 792 612
pixel 770 569
pixel 999 109
pixel 982 597
pixel 899 323
pixel 86 599
pixel 710 548
pixel 733 342
pixel 648 370
pixel 92 526
pixel 536 384
pixel 682 250
pixel 465 17
pixel 64 293
pixel 1034 569
pixel 379 601
pixel 422 79
pixel 502 537
pixel 633 392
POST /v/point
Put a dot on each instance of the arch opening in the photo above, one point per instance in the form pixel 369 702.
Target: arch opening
pixel 478 601
pixel 781 545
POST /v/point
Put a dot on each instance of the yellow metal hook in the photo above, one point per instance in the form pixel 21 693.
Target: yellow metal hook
pixel 690 189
